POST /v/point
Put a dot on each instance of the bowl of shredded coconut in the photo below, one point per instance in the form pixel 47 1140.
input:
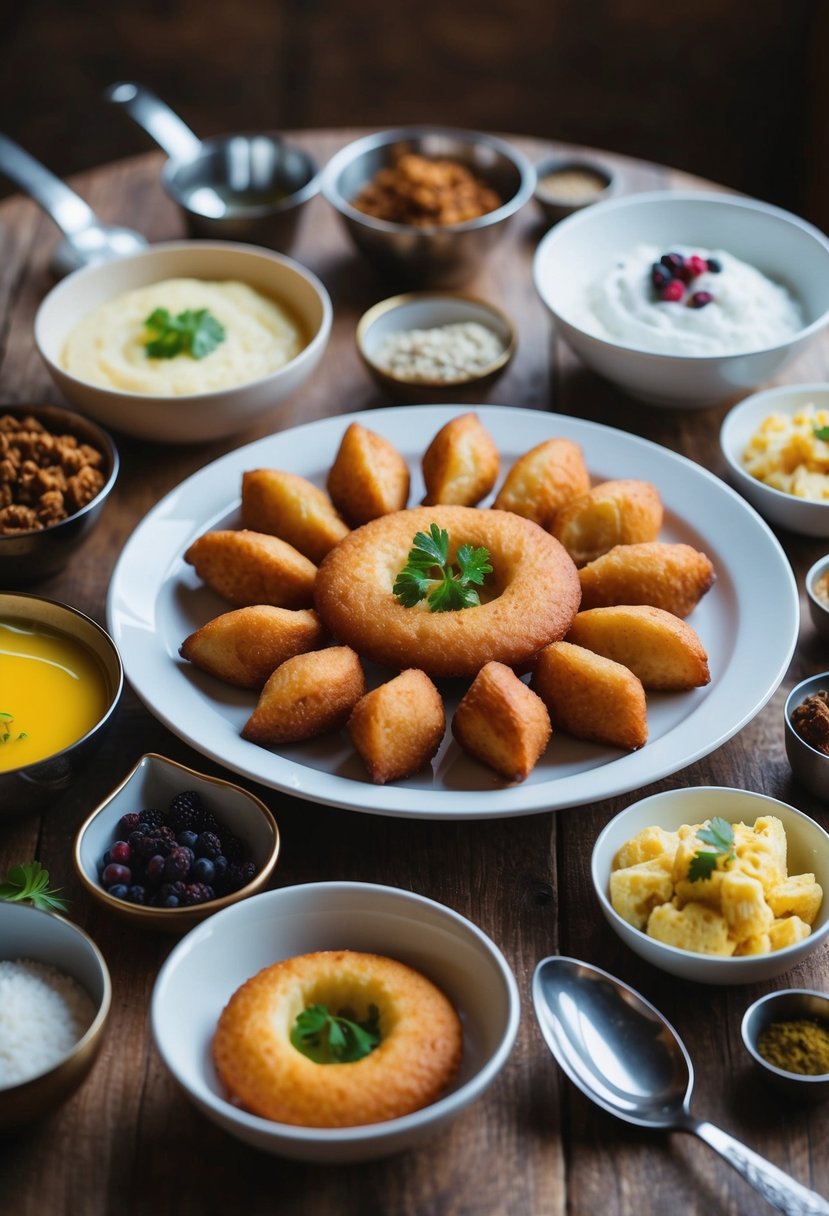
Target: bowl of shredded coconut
pixel 55 995
pixel 429 347
pixel 685 299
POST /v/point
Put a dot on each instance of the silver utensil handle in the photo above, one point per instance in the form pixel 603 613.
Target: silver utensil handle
pixel 67 209
pixel 157 119
pixel 778 1188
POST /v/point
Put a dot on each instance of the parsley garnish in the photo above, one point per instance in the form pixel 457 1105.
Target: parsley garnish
pixel 29 883
pixel 720 835
pixel 821 432
pixel 6 730
pixel 328 1038
pixel 194 332
pixel 428 573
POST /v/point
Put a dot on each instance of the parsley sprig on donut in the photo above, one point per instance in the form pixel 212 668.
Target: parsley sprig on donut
pixel 428 573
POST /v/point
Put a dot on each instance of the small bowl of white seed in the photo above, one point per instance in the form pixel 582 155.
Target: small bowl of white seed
pixel 427 346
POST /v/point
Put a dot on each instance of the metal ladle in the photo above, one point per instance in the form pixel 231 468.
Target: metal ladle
pixel 248 186
pixel 86 239
pixel 629 1060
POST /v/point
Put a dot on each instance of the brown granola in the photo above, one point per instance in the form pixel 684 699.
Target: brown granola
pixel 44 477
pixel 424 192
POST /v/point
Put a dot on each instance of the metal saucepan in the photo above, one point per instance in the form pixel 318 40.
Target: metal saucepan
pixel 85 238
pixel 249 186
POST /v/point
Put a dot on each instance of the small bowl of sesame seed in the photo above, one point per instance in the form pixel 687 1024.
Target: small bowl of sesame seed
pixel 435 347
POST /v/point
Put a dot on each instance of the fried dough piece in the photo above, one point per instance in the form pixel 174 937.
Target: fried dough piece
pixel 658 647
pixel 247 567
pixel 307 696
pixel 292 508
pixel 544 479
pixel 591 697
pixel 244 646
pixel 669 576
pixel 624 512
pixel 398 727
pixel 461 464
pixel 368 478
pixel 502 722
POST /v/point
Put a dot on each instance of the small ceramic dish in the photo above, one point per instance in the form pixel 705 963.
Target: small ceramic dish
pixel 803 515
pixel 817 595
pixel 26 933
pixel 583 249
pixel 213 961
pixel 787 1005
pixel 43 551
pixel 808 853
pixel 153 783
pixel 194 417
pixel 427 312
pixel 60 718
pixel 566 184
pixel 810 766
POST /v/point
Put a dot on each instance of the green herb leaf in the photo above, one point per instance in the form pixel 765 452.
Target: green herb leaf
pixel 328 1038
pixel 821 432
pixel 28 882
pixel 719 834
pixel 428 573
pixel 194 332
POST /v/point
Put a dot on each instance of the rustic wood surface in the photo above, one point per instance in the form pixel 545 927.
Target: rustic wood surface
pixel 128 1141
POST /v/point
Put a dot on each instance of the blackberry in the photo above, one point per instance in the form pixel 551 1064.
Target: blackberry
pixel 128 823
pixel 197 893
pixel 136 895
pixel 149 846
pixel 207 844
pixel 178 862
pixel 233 848
pixel 150 817
pixel 238 875
pixel 171 895
pixel 186 812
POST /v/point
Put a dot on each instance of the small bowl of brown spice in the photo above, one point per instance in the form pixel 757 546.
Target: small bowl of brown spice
pixel 786 1033
pixel 57 469
pixel 806 725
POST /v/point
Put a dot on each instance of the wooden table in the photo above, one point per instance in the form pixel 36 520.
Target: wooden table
pixel 128 1141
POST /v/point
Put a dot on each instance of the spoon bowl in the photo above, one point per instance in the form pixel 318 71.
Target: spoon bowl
pixel 623 1054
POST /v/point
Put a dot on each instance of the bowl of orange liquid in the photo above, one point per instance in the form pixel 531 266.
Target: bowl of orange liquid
pixel 60 682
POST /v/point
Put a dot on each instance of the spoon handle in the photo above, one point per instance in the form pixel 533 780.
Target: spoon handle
pixel 67 209
pixel 781 1191
pixel 169 131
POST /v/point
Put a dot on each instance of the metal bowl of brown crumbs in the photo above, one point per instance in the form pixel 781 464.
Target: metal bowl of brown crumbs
pixel 806 725
pixel 57 469
pixel 786 1033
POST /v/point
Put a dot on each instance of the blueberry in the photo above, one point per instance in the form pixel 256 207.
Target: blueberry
pixel 699 299
pixel 187 838
pixel 120 890
pixel 136 895
pixel 203 870
pixel 673 261
pixel 714 265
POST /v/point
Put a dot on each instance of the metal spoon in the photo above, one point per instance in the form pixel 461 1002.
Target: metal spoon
pixel 624 1055
pixel 86 238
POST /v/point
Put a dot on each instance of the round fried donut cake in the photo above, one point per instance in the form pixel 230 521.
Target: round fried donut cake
pixel 421 1041
pixel 528 601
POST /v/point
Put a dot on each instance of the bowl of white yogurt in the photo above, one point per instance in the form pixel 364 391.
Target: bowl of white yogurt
pixel 685 299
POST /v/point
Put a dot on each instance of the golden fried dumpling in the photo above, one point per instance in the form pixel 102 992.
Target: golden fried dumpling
pixel 658 647
pixel 501 722
pixel 591 697
pixel 292 508
pixel 623 512
pixel 246 567
pixel 669 576
pixel 460 465
pixel 543 480
pixel 398 727
pixel 369 477
pixel 244 646
pixel 306 696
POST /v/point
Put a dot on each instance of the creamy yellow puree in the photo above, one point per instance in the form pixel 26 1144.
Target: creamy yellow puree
pixel 108 346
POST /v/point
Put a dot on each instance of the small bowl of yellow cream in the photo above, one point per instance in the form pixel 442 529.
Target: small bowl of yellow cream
pixel 60 682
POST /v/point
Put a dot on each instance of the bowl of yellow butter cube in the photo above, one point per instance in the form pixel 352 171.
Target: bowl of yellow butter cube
pixel 716 885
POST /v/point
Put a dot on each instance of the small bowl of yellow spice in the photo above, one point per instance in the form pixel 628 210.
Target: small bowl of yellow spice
pixel 776 446
pixel 786 1033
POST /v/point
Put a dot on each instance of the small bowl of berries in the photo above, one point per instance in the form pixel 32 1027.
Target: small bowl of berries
pixel 170 846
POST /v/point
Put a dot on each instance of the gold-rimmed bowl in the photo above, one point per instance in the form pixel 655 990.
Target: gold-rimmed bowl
pixel 152 783
pixel 27 933
pixel 422 313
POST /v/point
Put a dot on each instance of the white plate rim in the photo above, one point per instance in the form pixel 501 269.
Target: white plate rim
pixel 765 629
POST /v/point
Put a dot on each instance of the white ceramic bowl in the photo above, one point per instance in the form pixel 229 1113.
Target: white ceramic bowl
pixel 808 852
pixel 44 937
pixel 582 247
pixel 740 423
pixel 203 416
pixel 426 310
pixel 153 782
pixel 212 961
